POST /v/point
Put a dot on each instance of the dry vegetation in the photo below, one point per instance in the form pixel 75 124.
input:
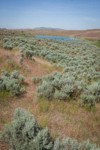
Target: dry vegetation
pixel 63 118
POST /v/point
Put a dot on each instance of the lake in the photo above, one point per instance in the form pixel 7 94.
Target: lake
pixel 58 38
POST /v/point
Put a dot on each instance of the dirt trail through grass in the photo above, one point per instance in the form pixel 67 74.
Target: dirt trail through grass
pixel 28 69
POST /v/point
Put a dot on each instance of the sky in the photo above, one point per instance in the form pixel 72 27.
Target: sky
pixel 64 14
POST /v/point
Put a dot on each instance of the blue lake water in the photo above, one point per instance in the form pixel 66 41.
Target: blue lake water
pixel 58 38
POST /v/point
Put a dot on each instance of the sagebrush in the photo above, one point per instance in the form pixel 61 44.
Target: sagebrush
pixel 24 133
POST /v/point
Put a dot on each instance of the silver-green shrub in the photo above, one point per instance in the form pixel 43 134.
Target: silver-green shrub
pixel 72 144
pixel 24 133
pixel 8 44
pixel 28 53
pixel 57 86
pixel 91 94
pixel 12 82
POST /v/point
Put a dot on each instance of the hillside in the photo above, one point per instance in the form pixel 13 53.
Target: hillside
pixel 92 34
pixel 58 83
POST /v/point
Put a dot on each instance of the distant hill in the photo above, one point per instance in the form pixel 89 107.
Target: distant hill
pixel 89 34
pixel 47 28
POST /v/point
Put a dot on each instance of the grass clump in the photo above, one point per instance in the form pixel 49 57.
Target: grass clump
pixel 43 105
pixel 10 65
pixel 36 80
pixel 5 96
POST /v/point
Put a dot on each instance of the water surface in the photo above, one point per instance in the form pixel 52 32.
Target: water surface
pixel 58 38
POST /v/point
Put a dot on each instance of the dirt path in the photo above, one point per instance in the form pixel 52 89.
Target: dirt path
pixel 28 69
pixel 37 68
pixel 42 61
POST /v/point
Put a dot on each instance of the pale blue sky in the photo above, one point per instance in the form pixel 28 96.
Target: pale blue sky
pixel 65 14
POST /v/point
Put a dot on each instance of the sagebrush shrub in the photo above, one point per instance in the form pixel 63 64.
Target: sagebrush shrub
pixel 27 52
pixel 57 86
pixel 45 90
pixel 8 44
pixel 91 94
pixel 24 133
pixel 12 82
pixel 94 89
pixel 87 100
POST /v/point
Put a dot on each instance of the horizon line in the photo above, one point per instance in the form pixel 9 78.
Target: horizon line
pixel 47 28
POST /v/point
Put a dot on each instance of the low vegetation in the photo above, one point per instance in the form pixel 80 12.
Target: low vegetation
pixel 24 133
pixel 57 86
pixel 12 82
pixel 91 94
pixel 75 84
pixel 79 59
pixel 63 86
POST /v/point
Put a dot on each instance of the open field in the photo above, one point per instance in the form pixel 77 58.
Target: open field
pixel 61 82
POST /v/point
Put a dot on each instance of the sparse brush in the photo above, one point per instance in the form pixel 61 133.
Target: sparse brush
pixel 24 133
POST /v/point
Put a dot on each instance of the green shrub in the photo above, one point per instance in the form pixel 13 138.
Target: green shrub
pixel 57 86
pixel 45 90
pixel 94 89
pixel 8 44
pixel 72 144
pixel 25 134
pixel 91 95
pixel 87 100
pixel 12 82
pixel 27 52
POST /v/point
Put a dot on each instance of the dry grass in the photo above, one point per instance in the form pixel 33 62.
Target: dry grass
pixel 68 119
